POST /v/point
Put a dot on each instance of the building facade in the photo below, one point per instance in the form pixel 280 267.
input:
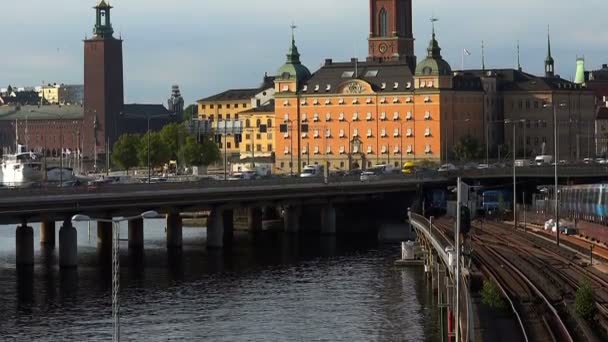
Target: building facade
pixel 259 133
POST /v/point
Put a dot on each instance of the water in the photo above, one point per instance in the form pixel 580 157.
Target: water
pixel 272 288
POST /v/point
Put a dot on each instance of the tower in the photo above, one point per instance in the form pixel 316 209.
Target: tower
pixel 549 62
pixel 391 37
pixel 103 83
pixel 580 70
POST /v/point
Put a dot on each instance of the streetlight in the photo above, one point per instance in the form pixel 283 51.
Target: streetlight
pixel 513 123
pixel 116 262
pixel 561 105
pixel 148 117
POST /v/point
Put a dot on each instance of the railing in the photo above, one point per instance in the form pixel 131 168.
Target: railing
pixel 439 241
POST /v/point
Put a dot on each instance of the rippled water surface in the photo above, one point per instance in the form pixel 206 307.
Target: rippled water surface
pixel 271 288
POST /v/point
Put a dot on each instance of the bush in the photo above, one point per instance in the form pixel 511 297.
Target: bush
pixel 585 302
pixel 491 296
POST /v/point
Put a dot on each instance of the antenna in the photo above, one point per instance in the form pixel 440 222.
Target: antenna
pixel 518 61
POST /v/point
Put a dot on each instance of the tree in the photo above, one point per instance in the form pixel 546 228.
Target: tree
pixel 190 112
pixel 124 153
pixel 584 301
pixel 172 136
pixel 467 148
pixel 159 152
pixel 204 153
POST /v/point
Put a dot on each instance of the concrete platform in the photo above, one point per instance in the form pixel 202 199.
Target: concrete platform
pixel 409 263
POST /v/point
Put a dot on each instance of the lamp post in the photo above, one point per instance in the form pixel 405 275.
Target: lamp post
pixel 148 117
pixel 513 123
pixel 555 151
pixel 116 262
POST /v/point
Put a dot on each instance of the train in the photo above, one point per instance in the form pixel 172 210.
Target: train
pixel 585 202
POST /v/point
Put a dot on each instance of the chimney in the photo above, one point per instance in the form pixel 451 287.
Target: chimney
pixel 328 61
pixel 604 66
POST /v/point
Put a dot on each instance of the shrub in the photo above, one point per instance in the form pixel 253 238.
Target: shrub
pixel 491 296
pixel 585 302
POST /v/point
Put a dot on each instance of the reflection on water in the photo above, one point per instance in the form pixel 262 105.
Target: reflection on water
pixel 264 288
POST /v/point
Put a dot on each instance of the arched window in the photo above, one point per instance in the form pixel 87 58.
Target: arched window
pixel 247 123
pixel 383 23
pixel 269 123
pixel 258 123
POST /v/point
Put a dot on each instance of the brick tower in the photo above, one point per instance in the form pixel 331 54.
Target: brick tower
pixel 391 37
pixel 103 84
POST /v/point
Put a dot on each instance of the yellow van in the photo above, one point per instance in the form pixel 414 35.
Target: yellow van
pixel 409 167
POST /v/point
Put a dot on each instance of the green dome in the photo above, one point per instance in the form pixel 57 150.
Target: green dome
pixel 433 64
pixel 293 68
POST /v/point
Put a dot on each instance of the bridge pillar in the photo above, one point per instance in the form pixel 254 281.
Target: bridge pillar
pixel 215 229
pixel 254 220
pixel 136 233
pixel 174 230
pixel 24 239
pixel 68 245
pixel 104 234
pixel 291 218
pixel 47 234
pixel 228 222
pixel 328 220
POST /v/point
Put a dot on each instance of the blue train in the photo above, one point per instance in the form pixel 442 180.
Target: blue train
pixel 587 202
pixel 496 200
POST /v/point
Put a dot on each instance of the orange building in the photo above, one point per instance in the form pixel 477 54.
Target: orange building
pixel 359 114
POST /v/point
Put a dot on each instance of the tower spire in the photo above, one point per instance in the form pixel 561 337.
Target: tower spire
pixel 483 56
pixel 518 55
pixel 549 61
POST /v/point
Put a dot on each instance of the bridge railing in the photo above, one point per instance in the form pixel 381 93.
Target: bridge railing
pixel 439 241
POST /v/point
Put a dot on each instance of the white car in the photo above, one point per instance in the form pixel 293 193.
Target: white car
pixel 483 167
pixel 447 167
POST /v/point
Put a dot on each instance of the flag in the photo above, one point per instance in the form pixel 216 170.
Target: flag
pixel 467 52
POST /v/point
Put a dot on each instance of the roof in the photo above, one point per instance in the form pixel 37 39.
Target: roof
pixel 518 80
pixel 434 64
pixel 327 79
pixel 265 108
pixel 232 95
pixel 145 109
pixel 602 113
pixel 49 112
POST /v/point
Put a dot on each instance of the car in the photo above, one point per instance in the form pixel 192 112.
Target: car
pixel 70 184
pixel 367 176
pixel 470 166
pixel 447 168
pixel 483 167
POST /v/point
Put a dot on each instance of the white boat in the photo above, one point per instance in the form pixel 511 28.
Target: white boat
pixel 22 168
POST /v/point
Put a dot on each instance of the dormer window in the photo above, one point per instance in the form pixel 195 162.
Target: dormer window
pixel 328 87
pixel 305 88
pixel 383 86
pixel 316 88
pixel 396 85
pixel 408 85
pixel 430 84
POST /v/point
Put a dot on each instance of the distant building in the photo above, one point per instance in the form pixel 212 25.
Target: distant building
pixel 257 145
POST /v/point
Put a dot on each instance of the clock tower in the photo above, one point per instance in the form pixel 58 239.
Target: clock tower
pixel 391 37
pixel 103 83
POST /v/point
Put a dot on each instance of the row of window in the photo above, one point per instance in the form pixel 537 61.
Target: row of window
pixel 258 148
pixel 356 117
pixel 282 165
pixel 219 117
pixel 219 106
pixel 370 133
pixel 384 149
pixel 369 100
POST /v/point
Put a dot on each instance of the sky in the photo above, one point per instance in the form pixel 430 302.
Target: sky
pixel 208 46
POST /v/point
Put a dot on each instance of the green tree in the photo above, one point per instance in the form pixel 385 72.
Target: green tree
pixel 584 301
pixel 490 295
pixel 204 153
pixel 124 153
pixel 173 135
pixel 190 112
pixel 159 151
pixel 468 148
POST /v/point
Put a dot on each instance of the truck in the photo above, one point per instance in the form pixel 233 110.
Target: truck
pixel 543 160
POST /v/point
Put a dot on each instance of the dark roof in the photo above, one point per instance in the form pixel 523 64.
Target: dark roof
pixel 602 113
pixel 517 80
pixel 145 109
pixel 49 112
pixel 232 94
pixel 265 108
pixel 333 74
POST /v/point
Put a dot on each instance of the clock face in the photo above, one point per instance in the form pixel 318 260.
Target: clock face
pixel 383 48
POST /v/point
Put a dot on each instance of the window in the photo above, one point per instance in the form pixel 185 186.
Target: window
pixel 355 116
pixel 211 117
pixel 383 132
pixel 269 147
pixel 286 151
pixel 316 133
pixel 341 117
pixel 527 104
pixel 247 136
pixel 304 150
pixel 315 117
pixel 409 133
pixel 408 116
pixel 228 145
pixel 427 132
pixel 227 116
pixel 248 148
pixel 427 149
pixel 328 117
pixel 203 106
pixel 342 149
pixel 328 133
pixel 396 132
pixel 328 151
pixel 211 106
pixel 370 149
pixel 258 148
pixel 369 116
pixel 382 116
pixel 304 117
pixel 269 123
pixel 258 122
pixel 258 136
pixel 396 116
pixel 219 117
pixel 282 165
pixel 383 23
pixel 228 106
pixel 355 132
pixel 410 150
pixel 244 105
pixel 369 133
pixel 219 106
pixel 341 133
pixel 236 105
pixel 316 149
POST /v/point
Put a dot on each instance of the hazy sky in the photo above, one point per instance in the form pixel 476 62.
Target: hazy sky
pixel 207 46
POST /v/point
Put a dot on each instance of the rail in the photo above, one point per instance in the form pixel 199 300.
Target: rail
pixel 422 225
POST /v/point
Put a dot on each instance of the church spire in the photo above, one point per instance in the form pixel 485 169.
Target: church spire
pixel 293 56
pixel 549 61
pixel 434 51
pixel 103 25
